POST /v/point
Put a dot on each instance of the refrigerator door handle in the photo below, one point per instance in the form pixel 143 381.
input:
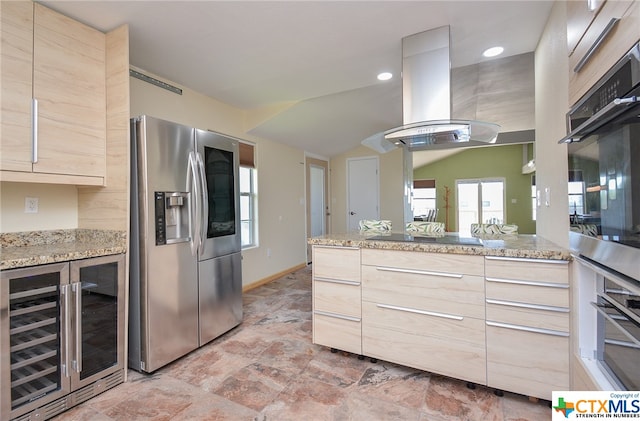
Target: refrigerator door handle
pixel 204 217
pixel 192 188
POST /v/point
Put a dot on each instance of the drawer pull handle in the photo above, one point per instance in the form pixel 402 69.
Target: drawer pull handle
pixel 337 247
pixel 336 316
pixel 529 306
pixel 420 272
pixel 528 329
pixel 525 260
pixel 596 44
pixel 529 283
pixel 423 312
pixel 336 281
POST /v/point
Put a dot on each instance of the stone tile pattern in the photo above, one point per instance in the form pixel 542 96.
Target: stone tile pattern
pixel 504 245
pixel 267 369
pixel 21 249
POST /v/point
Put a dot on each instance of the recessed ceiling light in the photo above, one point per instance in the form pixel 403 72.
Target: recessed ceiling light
pixel 493 51
pixel 385 76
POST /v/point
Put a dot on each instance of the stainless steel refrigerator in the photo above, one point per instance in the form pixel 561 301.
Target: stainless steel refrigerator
pixel 185 262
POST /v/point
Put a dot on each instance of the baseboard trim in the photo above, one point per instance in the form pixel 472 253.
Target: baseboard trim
pixel 272 277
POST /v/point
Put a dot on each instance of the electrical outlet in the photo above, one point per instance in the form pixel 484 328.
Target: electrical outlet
pixel 30 205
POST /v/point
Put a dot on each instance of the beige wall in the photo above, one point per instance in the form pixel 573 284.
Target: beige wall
pixel 391 187
pixel 552 84
pixel 281 175
pixel 57 207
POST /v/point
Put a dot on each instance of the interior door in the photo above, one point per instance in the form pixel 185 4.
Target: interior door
pixel 363 190
pixel 317 203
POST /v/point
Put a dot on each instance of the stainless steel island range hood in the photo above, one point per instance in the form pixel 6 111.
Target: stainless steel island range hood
pixel 426 100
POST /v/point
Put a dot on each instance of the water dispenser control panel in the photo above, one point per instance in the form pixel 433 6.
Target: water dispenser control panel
pixel 171 217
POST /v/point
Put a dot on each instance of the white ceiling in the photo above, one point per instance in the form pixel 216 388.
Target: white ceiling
pixel 315 61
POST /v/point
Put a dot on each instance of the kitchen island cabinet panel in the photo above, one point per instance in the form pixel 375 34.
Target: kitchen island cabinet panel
pixel 439 262
pixel 450 346
pixel 336 263
pixel 425 290
pixel 537 293
pixel 337 298
pixel 507 313
pixel 533 364
pixel 537 270
pixel 337 332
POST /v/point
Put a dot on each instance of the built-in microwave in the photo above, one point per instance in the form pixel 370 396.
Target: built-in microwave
pixel 604 152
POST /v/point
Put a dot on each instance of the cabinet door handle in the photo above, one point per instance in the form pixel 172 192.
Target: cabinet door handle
pixel 527 260
pixel 65 302
pixel 423 312
pixel 336 281
pixel 528 283
pixel 528 329
pixel 77 290
pixel 34 131
pixel 419 272
pixel 596 44
pixel 529 306
pixel 336 316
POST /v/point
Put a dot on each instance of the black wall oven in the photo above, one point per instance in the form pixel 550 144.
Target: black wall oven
pixel 618 330
pixel 604 153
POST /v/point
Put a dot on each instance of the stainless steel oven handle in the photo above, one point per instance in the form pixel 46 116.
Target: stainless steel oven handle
pixel 598 119
pixel 618 326
pixel 204 207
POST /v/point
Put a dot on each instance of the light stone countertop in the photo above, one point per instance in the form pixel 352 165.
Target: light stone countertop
pixel 22 249
pixel 512 245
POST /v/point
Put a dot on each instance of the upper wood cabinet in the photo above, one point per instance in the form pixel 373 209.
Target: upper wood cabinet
pixel 60 63
pixel 580 14
pixel 606 38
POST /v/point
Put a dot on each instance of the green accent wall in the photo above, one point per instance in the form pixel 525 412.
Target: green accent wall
pixel 485 162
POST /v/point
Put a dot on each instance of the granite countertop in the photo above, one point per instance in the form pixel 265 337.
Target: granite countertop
pixel 21 249
pixel 512 245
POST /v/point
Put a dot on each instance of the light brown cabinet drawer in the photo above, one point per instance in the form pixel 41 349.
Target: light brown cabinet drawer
pixel 337 332
pixel 336 263
pixel 613 46
pixel 508 312
pixel 531 292
pixel 451 347
pixel 539 270
pixel 337 297
pixel 457 294
pixel 525 362
pixel 436 262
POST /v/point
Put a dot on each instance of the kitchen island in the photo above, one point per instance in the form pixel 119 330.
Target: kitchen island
pixel 490 310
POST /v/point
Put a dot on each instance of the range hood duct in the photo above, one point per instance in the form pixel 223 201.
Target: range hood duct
pixel 426 100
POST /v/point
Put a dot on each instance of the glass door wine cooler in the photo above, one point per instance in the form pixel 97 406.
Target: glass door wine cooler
pixel 61 335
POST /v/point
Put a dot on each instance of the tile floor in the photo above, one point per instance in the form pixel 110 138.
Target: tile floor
pixel 267 369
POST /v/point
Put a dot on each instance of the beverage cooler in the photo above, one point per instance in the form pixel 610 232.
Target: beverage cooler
pixel 61 335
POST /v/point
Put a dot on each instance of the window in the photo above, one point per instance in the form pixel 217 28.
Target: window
pixel 576 193
pixel 424 197
pixel 480 201
pixel 248 197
